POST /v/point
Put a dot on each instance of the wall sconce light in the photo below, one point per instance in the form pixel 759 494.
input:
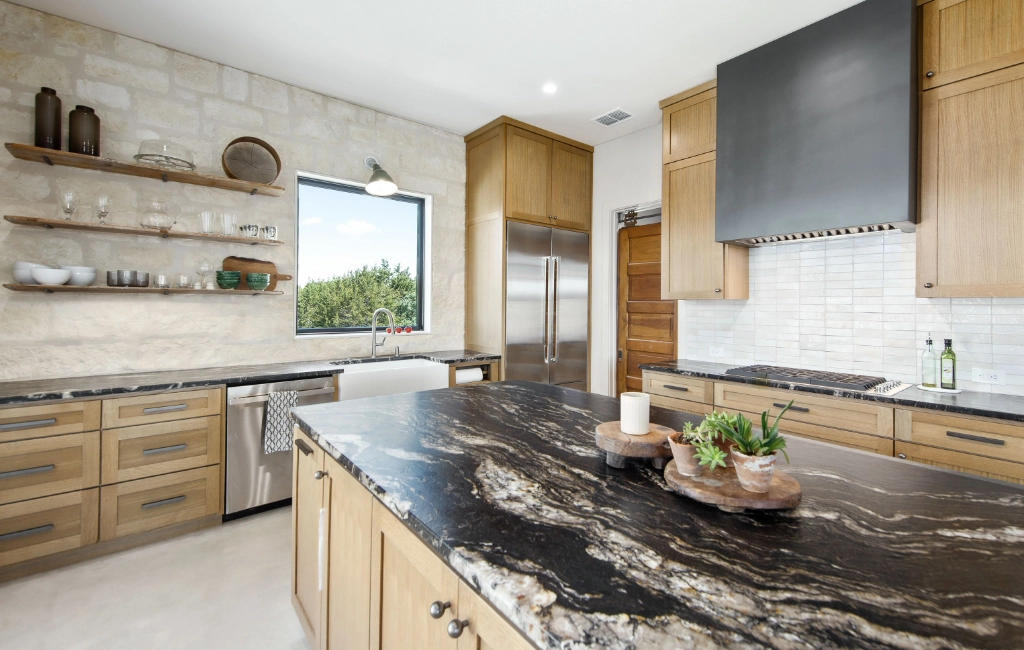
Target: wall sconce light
pixel 380 183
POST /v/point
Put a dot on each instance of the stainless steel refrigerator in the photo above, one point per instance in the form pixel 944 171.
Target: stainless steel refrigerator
pixel 546 305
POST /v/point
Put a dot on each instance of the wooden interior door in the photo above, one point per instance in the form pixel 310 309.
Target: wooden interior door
pixel 347 603
pixel 527 175
pixel 966 38
pixel 307 503
pixel 571 186
pixel 971 235
pixel 648 325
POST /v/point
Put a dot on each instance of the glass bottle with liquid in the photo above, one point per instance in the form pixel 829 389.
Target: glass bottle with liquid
pixel 929 365
pixel 948 367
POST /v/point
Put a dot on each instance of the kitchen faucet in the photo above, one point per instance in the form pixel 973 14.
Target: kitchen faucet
pixel 373 331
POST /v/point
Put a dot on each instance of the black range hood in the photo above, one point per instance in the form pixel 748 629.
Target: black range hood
pixel 817 131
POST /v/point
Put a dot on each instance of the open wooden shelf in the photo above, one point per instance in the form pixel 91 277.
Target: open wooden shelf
pixel 82 161
pixel 98 289
pixel 58 224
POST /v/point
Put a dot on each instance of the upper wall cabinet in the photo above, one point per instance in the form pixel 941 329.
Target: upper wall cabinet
pixel 688 122
pixel 966 38
pixel 528 175
pixel 572 186
pixel 970 241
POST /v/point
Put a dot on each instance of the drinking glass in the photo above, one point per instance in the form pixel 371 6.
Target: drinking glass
pixel 184 282
pixel 68 203
pixel 102 208
pixel 207 219
pixel 228 224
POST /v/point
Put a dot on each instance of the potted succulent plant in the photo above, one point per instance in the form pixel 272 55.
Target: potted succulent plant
pixel 684 446
pixel 754 456
pixel 716 421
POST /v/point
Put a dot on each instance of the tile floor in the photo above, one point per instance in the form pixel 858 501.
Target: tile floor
pixel 225 588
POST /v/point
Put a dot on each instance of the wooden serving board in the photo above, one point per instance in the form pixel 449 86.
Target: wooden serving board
pixel 620 446
pixel 721 488
pixel 249 265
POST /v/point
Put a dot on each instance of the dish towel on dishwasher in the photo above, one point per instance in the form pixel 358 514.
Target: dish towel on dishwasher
pixel 277 428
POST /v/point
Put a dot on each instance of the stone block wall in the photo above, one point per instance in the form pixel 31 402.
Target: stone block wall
pixel 143 91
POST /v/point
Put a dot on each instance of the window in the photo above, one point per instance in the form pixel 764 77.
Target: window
pixel 356 253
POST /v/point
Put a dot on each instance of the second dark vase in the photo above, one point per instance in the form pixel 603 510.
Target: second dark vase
pixel 84 131
pixel 48 119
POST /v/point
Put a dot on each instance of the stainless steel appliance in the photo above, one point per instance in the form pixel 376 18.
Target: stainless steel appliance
pixel 546 305
pixel 255 480
pixel 825 378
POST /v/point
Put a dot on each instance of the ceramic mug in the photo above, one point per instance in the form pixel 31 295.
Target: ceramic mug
pixel 268 232
pixel 250 230
pixel 635 413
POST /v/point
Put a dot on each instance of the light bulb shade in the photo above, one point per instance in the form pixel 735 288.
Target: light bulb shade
pixel 380 183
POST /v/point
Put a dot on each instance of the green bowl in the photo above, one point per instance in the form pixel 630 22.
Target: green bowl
pixel 257 281
pixel 228 282
pixel 229 274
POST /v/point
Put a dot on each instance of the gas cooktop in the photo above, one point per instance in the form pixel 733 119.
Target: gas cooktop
pixel 811 377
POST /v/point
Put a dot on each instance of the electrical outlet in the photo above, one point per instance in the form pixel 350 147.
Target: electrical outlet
pixel 986 376
pixel 716 352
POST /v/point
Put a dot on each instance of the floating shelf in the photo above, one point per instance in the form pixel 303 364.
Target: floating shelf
pixel 58 224
pixel 82 161
pixel 98 289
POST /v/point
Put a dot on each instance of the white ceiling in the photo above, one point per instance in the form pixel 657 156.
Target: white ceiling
pixel 458 64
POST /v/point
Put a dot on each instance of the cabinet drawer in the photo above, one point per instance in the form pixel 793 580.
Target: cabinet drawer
pixel 693 408
pixel 152 449
pixel 841 437
pixel 833 413
pixel 679 387
pixel 45 466
pixel 977 437
pixel 23 422
pixel 961 462
pixel 31 529
pixel 149 503
pixel 164 407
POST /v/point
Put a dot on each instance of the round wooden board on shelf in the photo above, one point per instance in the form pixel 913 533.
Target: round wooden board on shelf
pixel 721 488
pixel 620 446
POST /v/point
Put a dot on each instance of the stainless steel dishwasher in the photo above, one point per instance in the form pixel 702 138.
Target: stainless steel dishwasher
pixel 254 480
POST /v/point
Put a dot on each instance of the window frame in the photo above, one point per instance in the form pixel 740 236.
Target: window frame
pixel 423 285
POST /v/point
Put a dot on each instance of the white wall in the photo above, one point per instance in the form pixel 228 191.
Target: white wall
pixel 627 171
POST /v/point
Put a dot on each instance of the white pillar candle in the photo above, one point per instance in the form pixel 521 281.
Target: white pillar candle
pixel 635 413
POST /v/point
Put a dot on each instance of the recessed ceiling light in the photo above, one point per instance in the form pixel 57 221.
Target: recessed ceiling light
pixel 549 88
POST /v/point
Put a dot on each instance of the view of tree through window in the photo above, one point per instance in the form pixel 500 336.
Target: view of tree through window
pixel 356 253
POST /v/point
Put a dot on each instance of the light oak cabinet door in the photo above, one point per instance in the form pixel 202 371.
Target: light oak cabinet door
pixel 138 506
pixel 44 466
pixel 967 38
pixel 527 175
pixel 38 527
pixel 25 422
pixel 970 241
pixel 346 612
pixel 152 449
pixel 571 186
pixel 693 265
pixel 406 579
pixel 487 629
pixel 961 462
pixel 309 519
pixel 689 127
pixel 161 407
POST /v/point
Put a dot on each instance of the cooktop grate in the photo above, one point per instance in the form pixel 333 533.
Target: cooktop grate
pixel 812 377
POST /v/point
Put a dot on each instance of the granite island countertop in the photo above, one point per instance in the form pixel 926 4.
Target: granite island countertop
pixel 20 392
pixel 504 481
pixel 991 405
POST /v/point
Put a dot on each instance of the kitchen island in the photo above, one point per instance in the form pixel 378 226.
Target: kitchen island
pixel 503 481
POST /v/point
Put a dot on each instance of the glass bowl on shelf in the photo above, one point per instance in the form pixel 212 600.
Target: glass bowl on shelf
pixel 166 154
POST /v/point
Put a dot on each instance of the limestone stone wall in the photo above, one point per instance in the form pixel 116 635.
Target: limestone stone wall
pixel 144 91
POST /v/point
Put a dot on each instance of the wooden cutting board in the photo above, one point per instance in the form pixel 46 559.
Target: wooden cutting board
pixel 248 265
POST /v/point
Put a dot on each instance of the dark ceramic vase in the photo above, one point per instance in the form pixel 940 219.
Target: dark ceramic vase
pixel 84 131
pixel 48 119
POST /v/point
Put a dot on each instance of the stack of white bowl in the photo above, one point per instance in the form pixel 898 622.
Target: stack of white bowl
pixel 32 273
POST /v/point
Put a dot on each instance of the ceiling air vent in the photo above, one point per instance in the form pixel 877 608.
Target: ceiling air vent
pixel 611 118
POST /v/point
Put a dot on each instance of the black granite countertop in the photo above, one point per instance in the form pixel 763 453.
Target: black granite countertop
pixel 992 405
pixel 14 392
pixel 505 482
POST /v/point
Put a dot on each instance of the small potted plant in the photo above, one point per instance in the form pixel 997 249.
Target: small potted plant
pixel 754 456
pixel 716 421
pixel 684 448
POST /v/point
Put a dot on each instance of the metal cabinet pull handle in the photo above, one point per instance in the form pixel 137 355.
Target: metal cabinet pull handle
pixel 319 475
pixel 903 456
pixel 164 409
pixel 683 389
pixel 967 436
pixel 799 409
pixel 303 447
pixel 456 627
pixel 163 502
pixel 437 608
pixel 929 74
pixel 25 533
pixel 718 291
pixel 928 285
pixel 27 471
pixel 163 450
pixel 32 424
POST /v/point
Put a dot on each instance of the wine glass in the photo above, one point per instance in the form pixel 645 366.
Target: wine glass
pixel 68 204
pixel 102 209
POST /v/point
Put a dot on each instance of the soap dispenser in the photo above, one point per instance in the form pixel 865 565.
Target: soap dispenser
pixel 929 365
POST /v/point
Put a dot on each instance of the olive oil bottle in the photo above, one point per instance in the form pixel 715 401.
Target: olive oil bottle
pixel 948 366
pixel 929 365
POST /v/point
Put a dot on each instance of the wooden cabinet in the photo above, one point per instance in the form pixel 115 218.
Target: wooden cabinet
pixel 152 449
pixel 487 629
pixel 527 175
pixel 161 407
pixel 308 523
pixel 40 467
pixel 693 265
pixel 147 504
pixel 40 421
pixel 970 241
pixel 982 446
pixel 679 393
pixel 571 186
pixel 967 38
pixel 689 123
pixel 40 527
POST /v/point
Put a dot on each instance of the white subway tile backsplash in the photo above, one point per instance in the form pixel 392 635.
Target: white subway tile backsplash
pixel 849 304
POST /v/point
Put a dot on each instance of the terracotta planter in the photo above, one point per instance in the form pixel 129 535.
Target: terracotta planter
pixel 754 472
pixel 685 457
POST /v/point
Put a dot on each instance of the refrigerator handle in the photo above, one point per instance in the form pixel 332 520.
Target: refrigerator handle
pixel 554 309
pixel 547 304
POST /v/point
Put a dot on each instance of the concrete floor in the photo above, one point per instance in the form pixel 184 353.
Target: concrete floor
pixel 225 587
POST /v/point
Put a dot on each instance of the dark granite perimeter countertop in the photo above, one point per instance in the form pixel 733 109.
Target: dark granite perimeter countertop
pixel 992 405
pixel 15 392
pixel 505 482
